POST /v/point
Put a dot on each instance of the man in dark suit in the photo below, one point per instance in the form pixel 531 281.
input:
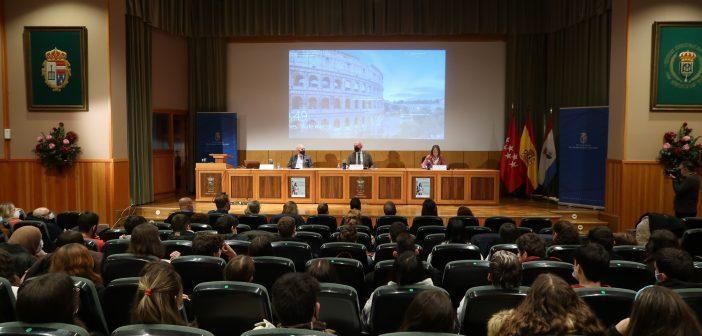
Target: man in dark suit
pixel 359 156
pixel 687 189
pixel 300 159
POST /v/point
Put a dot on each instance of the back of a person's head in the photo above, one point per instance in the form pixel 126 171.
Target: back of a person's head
pixel 430 311
pixel 260 246
pixel 158 296
pixel 252 208
pixel 221 201
pixel 348 234
pixel 49 298
pixel 658 310
pixel 199 218
pixel 322 209
pixel 532 245
pixel 290 208
pixel 429 208
pixel 224 224
pixel 87 220
pixel 74 260
pixel 408 269
pixel 323 271
pixel 624 238
pixel 602 235
pixel 353 215
pixel 565 233
pixel 133 221
pixel 456 232
pixel 464 211
pixel 396 228
pixel 7 267
pixel 508 233
pixel 405 243
pixel 355 203
pixel 145 241
pixel 69 237
pixel 180 223
pixel 389 209
pixel 676 264
pixel 593 260
pixel 207 244
pixel 505 270
pixel 295 298
pixel 660 239
pixel 240 268
pixel 286 227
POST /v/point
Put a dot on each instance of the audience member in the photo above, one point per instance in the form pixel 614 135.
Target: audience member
pixel 624 238
pixel 603 235
pixel 222 204
pixel 591 264
pixel 186 207
pixel 658 240
pixel 565 233
pixel 131 222
pixel 42 265
pixel 7 270
pixel 211 245
pixel 430 311
pixel 260 246
pixel 25 246
pixel 508 233
pixel 323 271
pixel 290 210
pixel 405 243
pixel 658 311
pixel 87 225
pixel 227 227
pixel 456 233
pixel 199 218
pixel 389 209
pixel 531 247
pixel 75 260
pixel 396 228
pixel 464 211
pixel 674 269
pixel 50 298
pixel 10 214
pixel 353 217
pixel 47 216
pixel 159 296
pixel 322 209
pixel 550 308
pixel 180 224
pixel 429 208
pixel 355 204
pixel 348 234
pixel 252 208
pixel 286 229
pixel 239 268
pixel 145 242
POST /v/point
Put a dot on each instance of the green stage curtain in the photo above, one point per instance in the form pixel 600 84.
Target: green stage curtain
pixel 139 110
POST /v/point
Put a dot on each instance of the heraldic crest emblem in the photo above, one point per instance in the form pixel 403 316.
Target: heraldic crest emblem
pixel 56 69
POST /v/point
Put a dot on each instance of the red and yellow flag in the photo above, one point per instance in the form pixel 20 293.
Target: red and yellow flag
pixel 527 154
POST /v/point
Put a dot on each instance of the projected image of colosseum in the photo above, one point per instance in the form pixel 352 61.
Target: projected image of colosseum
pixel 334 94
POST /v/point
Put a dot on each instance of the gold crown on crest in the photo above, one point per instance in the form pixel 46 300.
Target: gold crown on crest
pixel 687 56
pixel 55 55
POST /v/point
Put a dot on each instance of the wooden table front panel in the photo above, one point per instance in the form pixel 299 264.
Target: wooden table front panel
pixel 412 175
pixel 270 186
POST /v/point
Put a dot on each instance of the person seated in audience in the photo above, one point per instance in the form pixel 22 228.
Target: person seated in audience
pixel 674 269
pixel 199 218
pixel 181 228
pixel 65 238
pixel 658 240
pixel 75 260
pixel 624 238
pixel 603 235
pixel 322 209
pixel 87 225
pixel 130 223
pixel 408 271
pixel 211 245
pixel 222 204
pixel 396 228
pixel 159 296
pixel 429 208
pixel 260 246
pixel 47 216
pixel 355 204
pixel 295 304
pixel 565 233
pixel 7 270
pixel 50 298
pixel 455 233
pixel 348 234
pixel 323 271
pixel 300 160
pixel 186 207
pixel 464 211
pixel 508 234
pixel 550 308
pixel 505 273
pixel 430 311
pixel 389 209
pixel 239 268
pixel 286 229
pixel 658 311
pixel 10 214
pixel 531 247
pixel 146 242
pixel 227 227
pixel 290 210
pixel 353 215
pixel 252 208
pixel 25 246
pixel 433 158
pixel 590 264
pixel 405 243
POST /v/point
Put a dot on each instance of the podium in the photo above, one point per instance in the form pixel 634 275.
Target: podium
pixel 210 178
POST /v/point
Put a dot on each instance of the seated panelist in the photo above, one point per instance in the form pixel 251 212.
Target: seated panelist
pixel 359 156
pixel 434 158
pixel 300 159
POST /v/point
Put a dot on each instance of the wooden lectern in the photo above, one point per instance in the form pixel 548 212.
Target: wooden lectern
pixel 210 179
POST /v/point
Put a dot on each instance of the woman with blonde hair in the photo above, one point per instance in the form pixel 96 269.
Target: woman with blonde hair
pixel 75 260
pixel 159 296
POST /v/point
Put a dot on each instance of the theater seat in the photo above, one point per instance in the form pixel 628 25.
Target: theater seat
pixel 494 223
pixel 504 247
pixel 230 308
pixel 269 269
pixel 299 252
pixel 159 330
pixel 326 220
pixel 384 272
pixel 321 229
pixel 445 253
pixel 633 253
pixel 164 234
pixel 195 270
pixel 461 275
pixel 532 269
pixel 239 246
pixel 472 231
pixel 697 272
pixel 693 298
pixel 349 271
pixel 241 228
pixel 41 329
pixel 109 234
pixel 313 239
pixel 382 238
pixel 67 220
pixel 197 227
pixel 117 301
pixel 90 311
pixel 483 302
pixel 115 246
pixel 430 242
pixel 7 301
pixel 536 224
pixel 163 226
pixel 341 311
pixel 424 231
pixel 611 305
pixel 389 306
pixel 285 332
pixel 253 220
pixel 563 253
pixel 465 220
pixel 272 228
pixel 692 223
pixel 124 265
pixel 345 250
pixel 185 247
pixel 629 275
pixel 692 242
pixel 416 333
pixel 420 221
pixel 385 252
pixel 387 220
pixel 90 244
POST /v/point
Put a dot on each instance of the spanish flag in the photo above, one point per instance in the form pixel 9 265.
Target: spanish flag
pixel 527 154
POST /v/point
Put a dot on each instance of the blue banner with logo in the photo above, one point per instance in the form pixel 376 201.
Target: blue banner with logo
pixel 216 134
pixel 583 155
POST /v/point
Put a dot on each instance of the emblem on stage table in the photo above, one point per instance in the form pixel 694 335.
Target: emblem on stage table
pixel 360 187
pixel 583 137
pixel 210 184
pixel 56 69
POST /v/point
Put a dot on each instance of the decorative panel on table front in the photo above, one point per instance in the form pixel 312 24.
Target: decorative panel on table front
pixel 389 187
pixel 452 187
pixel 331 187
pixel 241 186
pixel 210 184
pixel 416 185
pixel 290 187
pixel 482 188
pixel 360 186
pixel 269 186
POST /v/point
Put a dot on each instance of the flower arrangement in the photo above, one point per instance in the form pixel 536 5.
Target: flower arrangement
pixel 680 147
pixel 58 149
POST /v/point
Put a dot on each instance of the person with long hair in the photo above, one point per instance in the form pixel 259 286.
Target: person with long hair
pixel 658 311
pixel 550 308
pixel 50 298
pixel 433 158
pixel 75 260
pixel 146 242
pixel 289 210
pixel 430 311
pixel 429 208
pixel 159 296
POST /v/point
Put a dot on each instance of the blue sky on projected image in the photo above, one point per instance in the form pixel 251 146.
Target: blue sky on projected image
pixel 394 94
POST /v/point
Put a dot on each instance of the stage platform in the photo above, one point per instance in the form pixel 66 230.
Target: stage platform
pixel 508 207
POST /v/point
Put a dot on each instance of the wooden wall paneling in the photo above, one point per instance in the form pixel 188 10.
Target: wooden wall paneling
pixel 641 192
pixel 481 188
pixel 332 186
pixel 613 192
pixel 164 174
pixel 454 159
pixel 475 160
pixel 326 158
pixel 119 186
pixel 256 155
pixel 493 161
pixel 452 189
pixel 281 156
pixel 241 187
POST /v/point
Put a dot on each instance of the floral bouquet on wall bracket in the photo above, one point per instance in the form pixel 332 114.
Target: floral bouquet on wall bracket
pixel 58 149
pixel 680 147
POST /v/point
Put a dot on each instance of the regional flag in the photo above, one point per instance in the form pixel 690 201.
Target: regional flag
pixel 510 165
pixel 547 160
pixel 527 155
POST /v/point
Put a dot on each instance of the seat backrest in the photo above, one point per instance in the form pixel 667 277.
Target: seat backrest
pixel 349 271
pixel 563 253
pixel 697 272
pixel 241 228
pixel 211 218
pixel 629 275
pixel 430 242
pixel 466 220
pixel 321 229
pixel 299 252
pixel 494 223
pixel 90 311
pixel 163 226
pixel 196 227
pixel 7 301
pixel 185 247
pixel 476 230
pixel 445 253
pixel 313 239
pixel 239 246
pixel 420 221
pixel 117 301
pixel 253 220
pixel 345 250
pixel 424 231
pixel 326 220
pixel 693 298
pixel 532 269
pixel 285 332
pixel 196 269
pixel 523 230
pixel 272 228
pixel 634 253
pixel 417 333
pixel 41 329
pixel 159 330
pixel 461 275
pixel 389 306
pixel 611 305
pixel 67 220
pixel 340 308
pixel 110 234
pixel 269 269
pixel 692 223
pixel 124 265
pixel 387 220
pixel 692 242
pixel 385 252
pixel 535 223
pixel 382 238
pixel 504 247
pixel 115 246
pixel 230 308
pixel 483 302
pixel 164 234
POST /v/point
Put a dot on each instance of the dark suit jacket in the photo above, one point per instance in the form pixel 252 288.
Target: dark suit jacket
pixel 307 161
pixel 367 159
pixel 686 192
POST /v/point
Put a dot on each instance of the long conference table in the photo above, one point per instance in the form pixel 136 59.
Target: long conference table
pixel 338 186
